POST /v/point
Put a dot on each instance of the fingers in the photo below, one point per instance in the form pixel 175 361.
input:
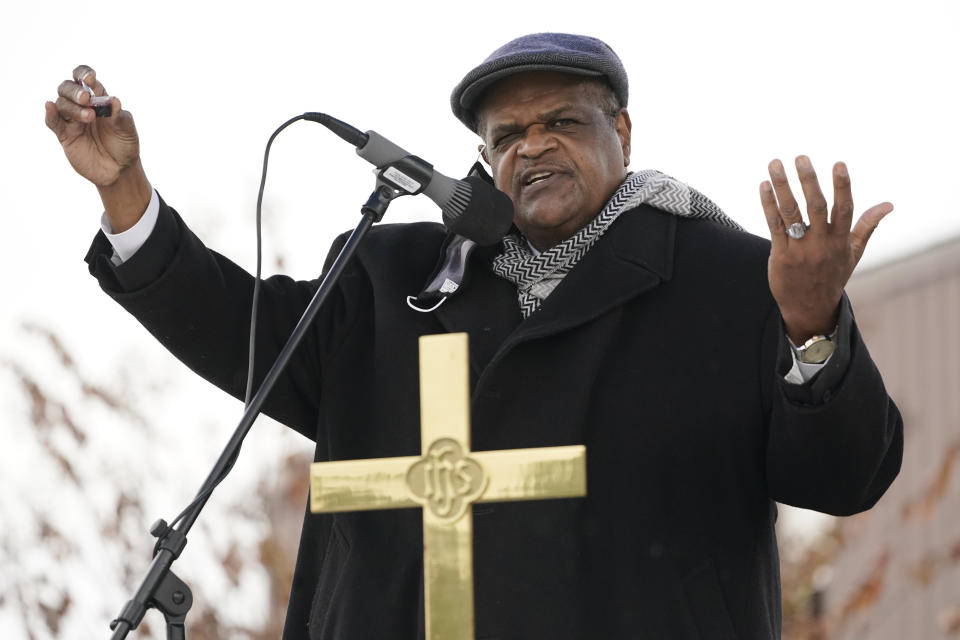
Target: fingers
pixel 115 107
pixel 84 73
pixel 841 217
pixel 72 91
pixel 89 76
pixel 768 200
pixel 816 203
pixel 53 120
pixel 789 210
pixel 74 101
pixel 865 227
pixel 69 110
pixel 842 211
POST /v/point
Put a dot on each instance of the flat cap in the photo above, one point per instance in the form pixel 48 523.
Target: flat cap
pixel 563 52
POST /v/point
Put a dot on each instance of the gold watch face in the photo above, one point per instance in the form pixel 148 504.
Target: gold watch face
pixel 818 352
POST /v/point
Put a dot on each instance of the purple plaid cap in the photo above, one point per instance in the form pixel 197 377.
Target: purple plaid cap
pixel 563 52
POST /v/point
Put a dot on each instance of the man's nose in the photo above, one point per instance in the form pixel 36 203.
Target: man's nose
pixel 537 140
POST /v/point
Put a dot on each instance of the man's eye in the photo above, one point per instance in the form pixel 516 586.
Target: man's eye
pixel 561 123
pixel 506 140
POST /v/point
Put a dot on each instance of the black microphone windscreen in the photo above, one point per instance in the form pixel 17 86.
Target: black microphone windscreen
pixel 487 216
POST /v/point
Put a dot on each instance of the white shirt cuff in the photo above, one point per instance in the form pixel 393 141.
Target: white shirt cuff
pixel 126 243
pixel 801 372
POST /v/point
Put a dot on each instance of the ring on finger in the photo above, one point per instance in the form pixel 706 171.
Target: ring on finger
pixel 797 230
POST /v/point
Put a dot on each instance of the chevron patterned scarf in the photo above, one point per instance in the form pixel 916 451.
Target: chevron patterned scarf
pixel 536 276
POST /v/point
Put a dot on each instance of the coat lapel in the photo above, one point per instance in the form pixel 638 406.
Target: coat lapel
pixel 633 256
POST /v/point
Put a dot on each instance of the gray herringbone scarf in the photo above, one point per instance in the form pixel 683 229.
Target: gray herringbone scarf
pixel 536 276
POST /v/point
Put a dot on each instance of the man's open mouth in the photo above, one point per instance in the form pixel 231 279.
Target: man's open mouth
pixel 539 176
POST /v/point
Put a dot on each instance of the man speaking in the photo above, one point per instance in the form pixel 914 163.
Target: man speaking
pixel 709 372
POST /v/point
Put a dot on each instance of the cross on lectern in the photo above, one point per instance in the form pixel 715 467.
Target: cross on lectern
pixel 446 480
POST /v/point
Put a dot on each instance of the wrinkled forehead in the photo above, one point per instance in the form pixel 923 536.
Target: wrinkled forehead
pixel 539 95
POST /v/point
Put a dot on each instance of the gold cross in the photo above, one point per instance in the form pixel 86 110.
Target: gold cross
pixel 446 480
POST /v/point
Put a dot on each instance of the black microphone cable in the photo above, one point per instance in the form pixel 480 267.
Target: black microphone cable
pixel 206 491
pixel 459 200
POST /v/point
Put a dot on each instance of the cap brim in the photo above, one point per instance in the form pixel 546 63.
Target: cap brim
pixel 472 93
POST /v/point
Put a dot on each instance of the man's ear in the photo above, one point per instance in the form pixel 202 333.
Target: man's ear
pixel 624 128
pixel 482 148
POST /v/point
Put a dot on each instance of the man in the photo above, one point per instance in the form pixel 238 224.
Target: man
pixel 624 312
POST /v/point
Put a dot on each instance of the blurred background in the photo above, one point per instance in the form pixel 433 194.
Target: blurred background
pixel 103 432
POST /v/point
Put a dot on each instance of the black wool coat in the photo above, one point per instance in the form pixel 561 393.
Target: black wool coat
pixel 662 352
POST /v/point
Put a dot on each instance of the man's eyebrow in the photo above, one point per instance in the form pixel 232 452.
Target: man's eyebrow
pixel 546 116
pixel 553 113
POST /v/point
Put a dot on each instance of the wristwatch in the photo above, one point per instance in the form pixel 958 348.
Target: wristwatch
pixel 816 350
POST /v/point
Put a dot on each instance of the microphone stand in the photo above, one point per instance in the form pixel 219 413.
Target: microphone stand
pixel 161 588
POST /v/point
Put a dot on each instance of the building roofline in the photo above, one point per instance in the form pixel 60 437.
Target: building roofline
pixel 924 265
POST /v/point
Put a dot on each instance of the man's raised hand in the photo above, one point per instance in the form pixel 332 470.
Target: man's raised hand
pixel 807 275
pixel 105 151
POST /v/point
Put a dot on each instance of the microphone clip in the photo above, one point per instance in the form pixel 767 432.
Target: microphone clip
pixel 383 194
pixel 409 174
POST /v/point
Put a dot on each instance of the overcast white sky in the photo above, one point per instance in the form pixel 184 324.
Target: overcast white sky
pixel 717 89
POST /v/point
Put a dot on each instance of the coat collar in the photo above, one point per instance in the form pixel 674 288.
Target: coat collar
pixel 633 256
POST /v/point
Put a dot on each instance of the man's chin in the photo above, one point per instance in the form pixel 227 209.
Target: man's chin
pixel 547 229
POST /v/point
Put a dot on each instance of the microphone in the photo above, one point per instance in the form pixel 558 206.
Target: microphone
pixel 471 207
